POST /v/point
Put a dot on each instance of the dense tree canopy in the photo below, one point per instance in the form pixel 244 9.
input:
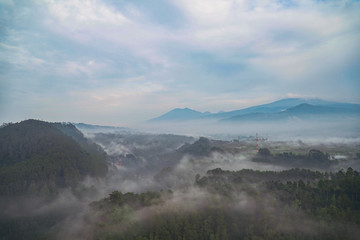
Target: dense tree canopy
pixel 40 158
pixel 279 206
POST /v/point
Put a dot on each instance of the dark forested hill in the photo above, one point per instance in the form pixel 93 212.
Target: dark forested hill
pixel 38 157
pixel 202 147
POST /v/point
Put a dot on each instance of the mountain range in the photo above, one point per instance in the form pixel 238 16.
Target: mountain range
pixel 274 111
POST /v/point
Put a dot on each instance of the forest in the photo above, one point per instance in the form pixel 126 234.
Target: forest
pixel 312 205
pixel 40 158
pixel 59 183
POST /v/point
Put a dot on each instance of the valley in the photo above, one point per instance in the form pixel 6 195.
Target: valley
pixel 167 186
pixel 179 120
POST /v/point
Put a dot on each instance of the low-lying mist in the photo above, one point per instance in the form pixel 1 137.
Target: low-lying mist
pixel 316 130
pixel 143 162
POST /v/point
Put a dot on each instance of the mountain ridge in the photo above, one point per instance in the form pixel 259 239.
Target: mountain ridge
pixel 179 114
pixel 270 110
pixel 301 111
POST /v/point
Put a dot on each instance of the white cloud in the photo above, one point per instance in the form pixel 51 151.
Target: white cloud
pixel 85 13
pixel 320 62
pixel 96 24
pixel 218 23
pixel 89 67
pixel 222 27
pixel 20 57
pixel 94 56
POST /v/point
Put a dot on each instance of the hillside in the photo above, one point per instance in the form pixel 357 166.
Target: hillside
pixel 244 204
pixel 202 147
pixel 40 158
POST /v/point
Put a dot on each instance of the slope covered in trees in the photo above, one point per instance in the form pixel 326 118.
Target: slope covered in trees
pixel 42 158
pixel 247 204
pixel 39 158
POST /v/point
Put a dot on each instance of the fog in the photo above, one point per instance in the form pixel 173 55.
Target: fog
pixel 347 129
pixel 143 161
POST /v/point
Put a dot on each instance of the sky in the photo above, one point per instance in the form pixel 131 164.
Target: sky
pixel 122 62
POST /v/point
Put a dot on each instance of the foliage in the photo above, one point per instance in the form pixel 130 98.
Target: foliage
pixel 202 147
pixel 280 206
pixel 314 159
pixel 38 158
pixel 335 197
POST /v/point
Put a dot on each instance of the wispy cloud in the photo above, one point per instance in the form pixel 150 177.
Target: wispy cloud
pixel 211 55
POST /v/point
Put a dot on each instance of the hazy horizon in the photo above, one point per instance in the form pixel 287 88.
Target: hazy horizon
pixel 168 125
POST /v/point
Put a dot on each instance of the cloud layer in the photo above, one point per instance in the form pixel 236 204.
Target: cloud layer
pixel 120 62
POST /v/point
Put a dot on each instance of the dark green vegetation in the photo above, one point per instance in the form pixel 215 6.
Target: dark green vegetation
pixel 46 159
pixel 202 147
pixel 314 159
pixel 247 204
pixel 40 158
pixel 39 227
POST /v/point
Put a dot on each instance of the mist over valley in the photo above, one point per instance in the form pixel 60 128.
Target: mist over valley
pixel 153 179
pixel 179 120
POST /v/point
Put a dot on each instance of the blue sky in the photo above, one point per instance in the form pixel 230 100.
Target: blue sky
pixel 122 62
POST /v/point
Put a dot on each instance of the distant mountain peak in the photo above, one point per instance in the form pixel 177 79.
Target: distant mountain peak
pixel 286 105
pixel 178 114
pixel 183 109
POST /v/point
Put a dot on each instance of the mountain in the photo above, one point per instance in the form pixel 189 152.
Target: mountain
pixel 305 108
pixel 303 111
pixel 278 106
pixel 40 158
pixel 179 114
pixel 281 109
